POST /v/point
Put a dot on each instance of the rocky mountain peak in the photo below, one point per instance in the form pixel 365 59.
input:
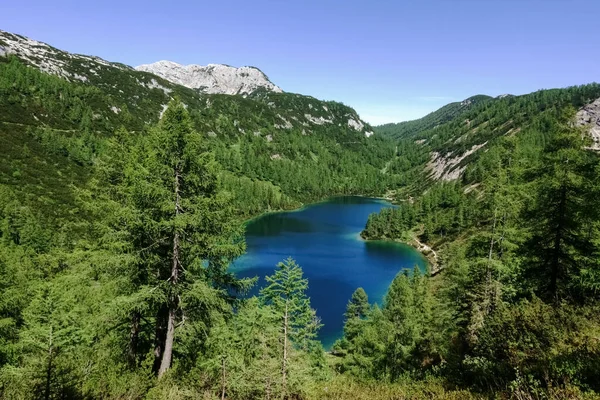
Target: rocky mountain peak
pixel 212 78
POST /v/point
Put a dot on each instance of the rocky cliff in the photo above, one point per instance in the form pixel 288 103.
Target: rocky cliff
pixel 212 78
pixel 589 117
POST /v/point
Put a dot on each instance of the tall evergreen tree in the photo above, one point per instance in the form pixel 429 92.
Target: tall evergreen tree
pixel 192 222
pixel 559 247
pixel 175 223
pixel 400 310
pixel 285 292
pixel 356 310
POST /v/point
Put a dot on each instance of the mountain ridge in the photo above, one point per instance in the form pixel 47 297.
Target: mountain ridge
pixel 443 114
pixel 212 78
pixel 145 94
pixel 59 109
pixel 457 134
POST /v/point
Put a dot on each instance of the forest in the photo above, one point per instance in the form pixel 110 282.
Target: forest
pixel 66 124
pixel 516 306
pixel 114 262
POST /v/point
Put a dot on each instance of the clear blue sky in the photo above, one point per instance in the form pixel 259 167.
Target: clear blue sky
pixel 391 60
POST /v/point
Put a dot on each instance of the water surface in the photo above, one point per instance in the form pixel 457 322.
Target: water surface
pixel 324 239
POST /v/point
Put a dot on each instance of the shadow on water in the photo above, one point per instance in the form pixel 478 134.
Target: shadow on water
pixel 394 255
pixel 323 238
pixel 275 224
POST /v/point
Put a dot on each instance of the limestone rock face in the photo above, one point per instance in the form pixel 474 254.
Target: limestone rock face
pixel 589 116
pixel 449 167
pixel 52 60
pixel 212 78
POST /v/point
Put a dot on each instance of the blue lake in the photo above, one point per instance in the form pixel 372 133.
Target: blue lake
pixel 324 239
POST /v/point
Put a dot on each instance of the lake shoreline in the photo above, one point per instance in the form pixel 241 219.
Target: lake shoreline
pixel 427 251
pixel 324 238
pixel 303 206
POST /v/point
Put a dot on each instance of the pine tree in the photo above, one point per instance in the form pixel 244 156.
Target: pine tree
pixel 356 310
pixel 192 224
pixel 400 311
pixel 243 354
pixel 285 292
pixel 358 306
pixel 165 212
pixel 559 247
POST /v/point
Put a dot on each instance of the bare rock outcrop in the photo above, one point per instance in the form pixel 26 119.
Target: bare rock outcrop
pixel 52 60
pixel 448 167
pixel 589 116
pixel 212 78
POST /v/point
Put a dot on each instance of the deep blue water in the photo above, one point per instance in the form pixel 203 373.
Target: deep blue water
pixel 324 240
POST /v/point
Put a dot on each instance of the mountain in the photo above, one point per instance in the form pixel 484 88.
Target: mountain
pixel 57 109
pixel 431 120
pixel 213 78
pixel 455 136
pixel 53 61
pixel 145 94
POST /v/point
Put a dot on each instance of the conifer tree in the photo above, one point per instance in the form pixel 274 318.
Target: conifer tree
pixel 192 222
pixel 559 247
pixel 168 214
pixel 285 292
pixel 400 310
pixel 356 310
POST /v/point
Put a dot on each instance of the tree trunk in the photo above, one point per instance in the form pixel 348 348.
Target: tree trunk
pixel 173 299
pixel 284 366
pixel 488 286
pixel 165 363
pixel 267 374
pixel 556 250
pixel 49 367
pixel 267 386
pixel 223 378
pixel 160 335
pixel 134 335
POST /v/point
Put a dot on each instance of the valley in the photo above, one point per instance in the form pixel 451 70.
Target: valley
pixel 127 270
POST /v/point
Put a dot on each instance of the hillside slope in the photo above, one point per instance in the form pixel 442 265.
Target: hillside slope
pixel 445 114
pixel 62 106
pixel 453 147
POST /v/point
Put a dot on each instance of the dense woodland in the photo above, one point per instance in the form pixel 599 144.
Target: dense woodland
pixel 116 236
pixel 516 305
pixel 49 119
pixel 447 113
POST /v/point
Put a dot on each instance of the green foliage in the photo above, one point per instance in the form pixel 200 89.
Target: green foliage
pixel 285 292
pixel 519 224
pixel 536 345
pixel 358 306
pixel 403 338
pixel 251 196
pixel 492 119
pixel 443 210
pixel 408 129
pixel 344 387
pixel 562 223
pixel 117 228
pixel 270 164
